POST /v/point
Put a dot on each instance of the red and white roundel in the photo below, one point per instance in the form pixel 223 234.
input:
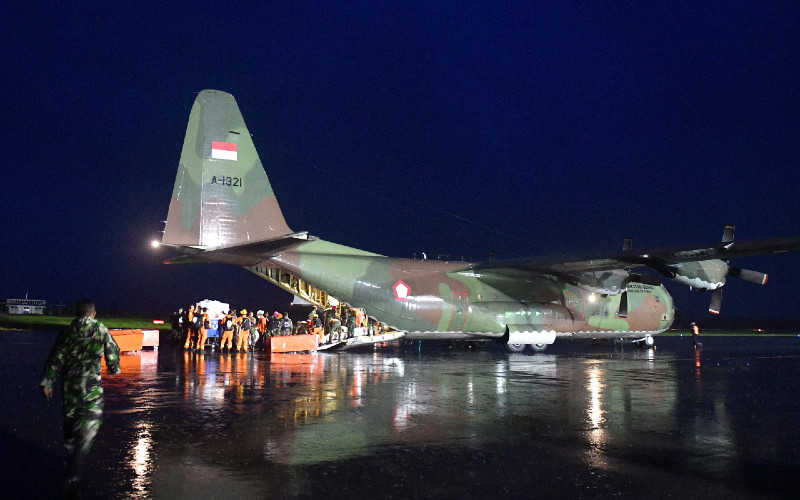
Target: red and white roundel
pixel 401 290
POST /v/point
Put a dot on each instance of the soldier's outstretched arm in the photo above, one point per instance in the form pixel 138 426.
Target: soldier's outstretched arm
pixel 53 364
pixel 111 351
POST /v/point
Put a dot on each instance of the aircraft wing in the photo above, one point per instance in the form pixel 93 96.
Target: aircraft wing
pixel 248 254
pixel 658 259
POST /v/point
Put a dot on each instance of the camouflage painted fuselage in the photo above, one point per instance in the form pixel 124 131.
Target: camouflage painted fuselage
pixel 436 299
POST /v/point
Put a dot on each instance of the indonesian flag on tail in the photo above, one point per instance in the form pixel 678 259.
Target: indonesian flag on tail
pixel 223 150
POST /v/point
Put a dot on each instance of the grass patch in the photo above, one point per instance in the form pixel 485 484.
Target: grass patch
pixel 41 322
pixel 727 333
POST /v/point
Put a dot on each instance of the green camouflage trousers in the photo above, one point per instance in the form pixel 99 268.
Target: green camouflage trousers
pixel 83 413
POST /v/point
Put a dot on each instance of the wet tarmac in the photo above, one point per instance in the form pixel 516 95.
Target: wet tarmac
pixel 422 421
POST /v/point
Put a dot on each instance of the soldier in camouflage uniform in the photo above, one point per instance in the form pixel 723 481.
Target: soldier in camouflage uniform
pixel 274 324
pixel 76 355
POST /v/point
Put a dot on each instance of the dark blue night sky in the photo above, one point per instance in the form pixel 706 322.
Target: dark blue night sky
pixel 455 128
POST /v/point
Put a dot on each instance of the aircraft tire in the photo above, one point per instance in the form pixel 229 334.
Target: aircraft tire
pixel 516 347
pixel 538 347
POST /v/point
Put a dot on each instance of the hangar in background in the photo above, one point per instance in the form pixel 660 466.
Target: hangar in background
pixel 25 306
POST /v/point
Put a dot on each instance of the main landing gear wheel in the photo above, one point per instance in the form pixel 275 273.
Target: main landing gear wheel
pixel 538 347
pixel 515 347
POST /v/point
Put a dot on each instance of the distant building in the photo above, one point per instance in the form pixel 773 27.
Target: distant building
pixel 25 306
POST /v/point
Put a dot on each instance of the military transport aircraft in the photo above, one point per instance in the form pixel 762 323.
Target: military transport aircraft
pixel 223 209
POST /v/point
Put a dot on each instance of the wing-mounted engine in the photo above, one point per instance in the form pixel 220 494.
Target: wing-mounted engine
pixel 702 275
pixel 711 274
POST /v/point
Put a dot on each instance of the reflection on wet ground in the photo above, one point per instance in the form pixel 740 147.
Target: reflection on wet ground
pixel 424 420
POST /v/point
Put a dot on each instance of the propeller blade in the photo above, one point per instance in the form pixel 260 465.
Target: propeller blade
pixel 748 275
pixel 727 235
pixel 716 301
pixel 623 305
pixel 627 244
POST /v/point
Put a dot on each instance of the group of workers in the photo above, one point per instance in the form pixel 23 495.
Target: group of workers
pixel 339 323
pixel 237 332
pixel 247 331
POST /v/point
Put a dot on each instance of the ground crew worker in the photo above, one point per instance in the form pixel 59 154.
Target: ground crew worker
pixel 286 324
pixel 177 326
pixel 192 332
pixel 253 331
pixel 261 327
pixel 202 332
pixel 331 326
pixel 227 330
pixel 261 322
pixel 184 326
pixel 351 322
pixel 695 334
pixel 315 321
pixel 274 325
pixel 371 327
pixel 236 320
pixel 361 321
pixel 197 322
pixel 314 326
pixel 244 331
pixel 76 356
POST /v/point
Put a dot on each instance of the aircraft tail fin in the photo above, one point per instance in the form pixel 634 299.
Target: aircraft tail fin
pixel 222 196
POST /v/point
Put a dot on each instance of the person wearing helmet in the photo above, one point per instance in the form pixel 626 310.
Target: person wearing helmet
pixel 226 325
pixel 274 324
pixel 245 324
pixel 202 332
pixel 191 333
pixel 261 329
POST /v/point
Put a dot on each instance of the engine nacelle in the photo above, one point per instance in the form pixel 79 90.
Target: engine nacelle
pixel 703 275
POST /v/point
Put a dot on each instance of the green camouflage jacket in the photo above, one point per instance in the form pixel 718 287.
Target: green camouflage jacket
pixel 78 351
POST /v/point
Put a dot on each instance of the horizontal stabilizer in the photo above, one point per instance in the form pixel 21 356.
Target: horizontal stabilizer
pixel 249 254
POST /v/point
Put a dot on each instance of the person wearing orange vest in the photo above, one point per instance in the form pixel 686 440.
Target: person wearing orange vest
pixel 192 332
pixel 695 334
pixel 202 332
pixel 245 323
pixel 261 323
pixel 261 327
pixel 227 330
